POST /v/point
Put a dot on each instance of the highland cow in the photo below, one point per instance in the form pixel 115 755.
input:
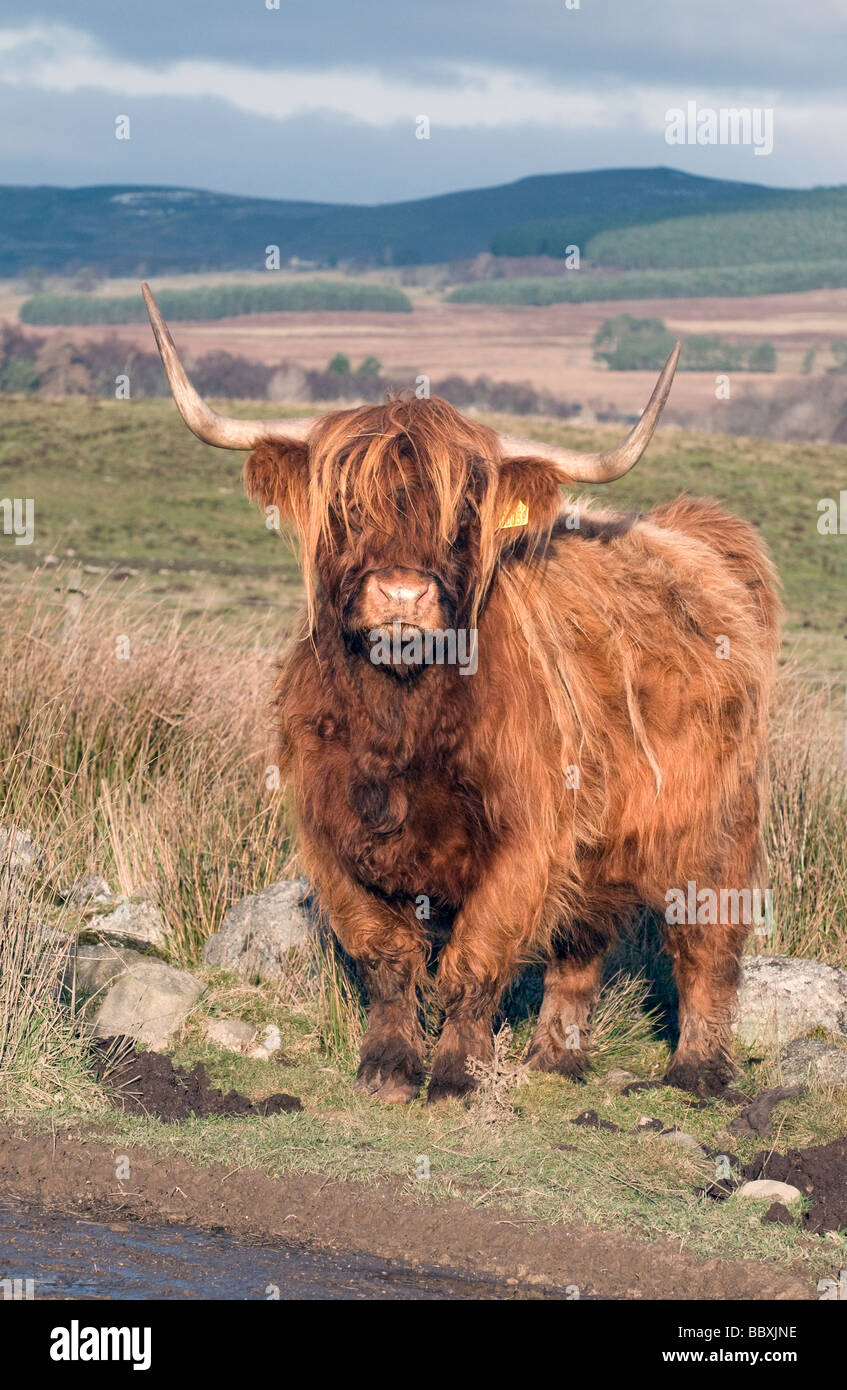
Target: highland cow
pixel 607 751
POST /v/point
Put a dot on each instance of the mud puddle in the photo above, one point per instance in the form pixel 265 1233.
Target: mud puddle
pixel 70 1258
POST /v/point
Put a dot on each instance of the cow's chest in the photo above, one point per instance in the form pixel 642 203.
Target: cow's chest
pixel 417 831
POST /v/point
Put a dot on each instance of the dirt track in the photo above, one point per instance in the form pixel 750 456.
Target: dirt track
pixel 70 1175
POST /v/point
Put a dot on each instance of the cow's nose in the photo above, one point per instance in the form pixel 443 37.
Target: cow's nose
pixel 405 593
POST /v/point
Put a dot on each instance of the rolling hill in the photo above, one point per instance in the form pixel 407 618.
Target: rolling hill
pixel 139 230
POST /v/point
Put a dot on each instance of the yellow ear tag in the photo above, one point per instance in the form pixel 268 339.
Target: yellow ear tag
pixel 518 516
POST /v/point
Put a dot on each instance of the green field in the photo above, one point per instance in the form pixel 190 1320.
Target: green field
pixel 217 302
pixel 732 281
pixel 125 485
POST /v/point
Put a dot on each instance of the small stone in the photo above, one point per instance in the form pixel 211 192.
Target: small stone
pixel 233 1034
pixel 767 1187
pixel 618 1076
pixel 148 1002
pixel 20 851
pixel 270 1042
pixel 682 1140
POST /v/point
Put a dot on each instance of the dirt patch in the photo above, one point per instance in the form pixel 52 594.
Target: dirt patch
pixel 74 1176
pixel 148 1083
pixel 820 1173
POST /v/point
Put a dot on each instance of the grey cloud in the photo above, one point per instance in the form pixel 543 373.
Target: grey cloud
pixel 70 140
pixel 741 43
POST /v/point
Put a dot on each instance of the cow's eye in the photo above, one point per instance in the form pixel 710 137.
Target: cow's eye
pixel 459 539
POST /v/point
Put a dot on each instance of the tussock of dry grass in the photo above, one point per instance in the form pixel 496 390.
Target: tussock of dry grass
pixel 40 1047
pixel 807 832
pixel 149 770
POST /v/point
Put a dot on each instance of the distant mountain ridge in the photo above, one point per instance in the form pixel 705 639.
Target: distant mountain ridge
pixel 126 229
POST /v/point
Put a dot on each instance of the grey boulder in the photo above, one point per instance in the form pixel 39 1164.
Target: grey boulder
pixel 809 1061
pixel 22 853
pixel 93 966
pixel 133 919
pixel 782 998
pixel 148 1002
pixel 258 932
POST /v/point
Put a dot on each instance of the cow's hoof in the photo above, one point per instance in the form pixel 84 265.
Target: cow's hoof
pixel 569 1062
pixel 705 1079
pixel 390 1071
pixel 449 1088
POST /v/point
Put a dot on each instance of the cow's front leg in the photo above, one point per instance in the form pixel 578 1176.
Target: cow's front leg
pixel 388 947
pixel 493 934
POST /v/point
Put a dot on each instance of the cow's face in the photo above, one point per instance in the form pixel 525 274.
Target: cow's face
pixel 400 509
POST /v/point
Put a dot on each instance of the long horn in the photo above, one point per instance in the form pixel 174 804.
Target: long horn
pixel 212 428
pixel 612 463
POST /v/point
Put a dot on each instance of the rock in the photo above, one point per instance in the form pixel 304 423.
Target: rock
pixel 271 1042
pixel 20 851
pixel 781 1192
pixel 682 1140
pixel 231 1033
pixel 782 998
pixel 617 1076
pixel 87 892
pixel 258 932
pixel 97 964
pixel 133 919
pixel 148 1002
pixel 812 1062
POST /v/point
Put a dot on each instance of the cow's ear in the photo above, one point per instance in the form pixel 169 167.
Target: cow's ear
pixel 276 477
pixel 527 495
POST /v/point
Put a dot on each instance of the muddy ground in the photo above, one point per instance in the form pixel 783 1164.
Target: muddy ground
pixel 66 1173
pixel 148 1083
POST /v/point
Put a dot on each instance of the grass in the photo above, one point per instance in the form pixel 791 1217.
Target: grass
pixel 41 1050
pixel 125 486
pixel 147 765
pixel 217 302
pixel 514 1147
pixel 694 282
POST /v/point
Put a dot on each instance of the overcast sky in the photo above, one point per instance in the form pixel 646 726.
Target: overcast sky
pixel 319 99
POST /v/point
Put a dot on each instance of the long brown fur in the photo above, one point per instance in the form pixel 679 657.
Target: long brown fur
pixel 602 754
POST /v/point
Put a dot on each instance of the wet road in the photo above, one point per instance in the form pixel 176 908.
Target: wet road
pixel 69 1257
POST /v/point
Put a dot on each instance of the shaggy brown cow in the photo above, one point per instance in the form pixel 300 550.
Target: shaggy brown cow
pixel 607 749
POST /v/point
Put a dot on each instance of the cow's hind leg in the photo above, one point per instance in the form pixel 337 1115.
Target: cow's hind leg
pixel 561 1037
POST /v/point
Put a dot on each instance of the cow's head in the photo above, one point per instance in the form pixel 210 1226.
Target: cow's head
pixel 403 510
